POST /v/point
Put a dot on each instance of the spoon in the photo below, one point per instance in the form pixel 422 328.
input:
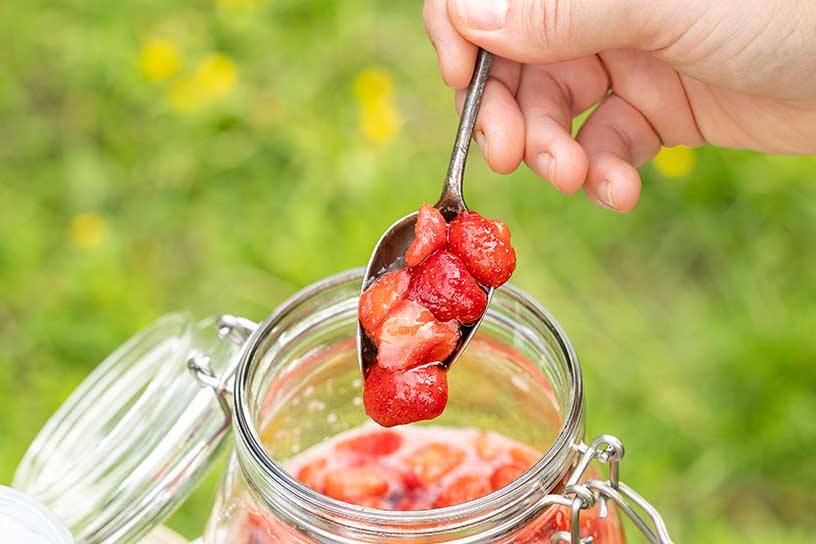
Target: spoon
pixel 389 253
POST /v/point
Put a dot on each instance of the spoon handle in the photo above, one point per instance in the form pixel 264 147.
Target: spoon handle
pixel 452 200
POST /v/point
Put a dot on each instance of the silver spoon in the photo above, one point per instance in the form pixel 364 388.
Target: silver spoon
pixel 389 254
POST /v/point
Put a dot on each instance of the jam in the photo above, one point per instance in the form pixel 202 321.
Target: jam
pixel 420 468
pixel 414 315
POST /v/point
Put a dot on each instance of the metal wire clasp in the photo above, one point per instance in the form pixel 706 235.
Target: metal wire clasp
pixel 608 450
pixel 237 330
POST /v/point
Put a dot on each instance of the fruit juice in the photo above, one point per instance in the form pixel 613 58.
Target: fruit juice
pixel 419 468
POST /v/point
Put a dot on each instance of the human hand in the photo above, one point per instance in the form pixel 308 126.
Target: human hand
pixel 664 72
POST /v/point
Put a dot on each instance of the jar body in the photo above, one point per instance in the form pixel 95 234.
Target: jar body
pixel 519 378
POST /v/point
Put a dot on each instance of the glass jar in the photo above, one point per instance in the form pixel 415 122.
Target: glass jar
pixel 298 384
pixel 133 440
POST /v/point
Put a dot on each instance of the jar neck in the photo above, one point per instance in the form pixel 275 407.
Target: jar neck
pixel 324 519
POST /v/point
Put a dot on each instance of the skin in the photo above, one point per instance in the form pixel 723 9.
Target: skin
pixel 737 73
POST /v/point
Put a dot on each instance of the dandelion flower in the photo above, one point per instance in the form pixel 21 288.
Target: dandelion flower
pixel 159 60
pixel 87 230
pixel 675 162
pixel 216 76
pixel 380 121
pixel 371 85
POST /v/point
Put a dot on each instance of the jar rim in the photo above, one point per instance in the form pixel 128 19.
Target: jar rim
pixel 565 442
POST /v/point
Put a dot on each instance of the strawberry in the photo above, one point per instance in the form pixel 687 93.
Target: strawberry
pixel 463 489
pixel 375 444
pixel 410 335
pixel 312 474
pixel 430 463
pixel 554 519
pixel 444 286
pixel 431 233
pixel 484 247
pixel 450 340
pixel 525 456
pixel 506 474
pixel 400 397
pixel 381 297
pixel 355 483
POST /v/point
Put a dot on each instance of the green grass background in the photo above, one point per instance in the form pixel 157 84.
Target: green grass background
pixel 694 316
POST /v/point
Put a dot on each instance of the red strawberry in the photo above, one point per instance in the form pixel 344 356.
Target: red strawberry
pixel 484 247
pixel 431 233
pixel 444 286
pixel 430 463
pixel 410 335
pixel 506 474
pixel 381 297
pixel 396 398
pixel 463 489
pixel 312 474
pixel 354 483
pixel 375 443
pixel 446 346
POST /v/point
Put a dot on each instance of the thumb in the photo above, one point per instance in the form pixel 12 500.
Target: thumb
pixel 547 31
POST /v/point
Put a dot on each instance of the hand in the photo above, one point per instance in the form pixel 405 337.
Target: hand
pixel 738 74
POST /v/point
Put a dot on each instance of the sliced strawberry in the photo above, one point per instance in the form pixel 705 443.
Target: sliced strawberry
pixel 506 474
pixel 431 233
pixel 430 463
pixel 375 443
pixel 488 446
pixel 444 286
pixel 484 247
pixel 608 529
pixel 463 489
pixel 357 483
pixel 413 503
pixel 312 475
pixel 400 397
pixel 410 335
pixel 381 297
pixel 259 530
pixel 525 456
pixel 554 519
pixel 446 346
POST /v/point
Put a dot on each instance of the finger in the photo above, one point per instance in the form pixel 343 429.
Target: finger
pixel 655 89
pixel 549 97
pixel 499 129
pixel 456 55
pixel 547 31
pixel 617 139
pixel 508 72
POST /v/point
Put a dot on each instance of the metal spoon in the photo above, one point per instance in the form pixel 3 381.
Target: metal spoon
pixel 389 254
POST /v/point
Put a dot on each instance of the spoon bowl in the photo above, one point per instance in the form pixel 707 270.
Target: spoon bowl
pixel 389 253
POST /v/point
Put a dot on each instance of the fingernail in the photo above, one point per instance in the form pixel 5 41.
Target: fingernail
pixel 604 195
pixel 546 167
pixel 482 14
pixel 479 136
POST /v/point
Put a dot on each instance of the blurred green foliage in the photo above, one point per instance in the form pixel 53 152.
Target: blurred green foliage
pixel 132 186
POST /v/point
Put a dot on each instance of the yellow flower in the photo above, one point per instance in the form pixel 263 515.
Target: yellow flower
pixel 184 95
pixel 159 60
pixel 216 76
pixel 675 162
pixel 236 5
pixel 372 85
pixel 380 121
pixel 214 79
pixel 87 230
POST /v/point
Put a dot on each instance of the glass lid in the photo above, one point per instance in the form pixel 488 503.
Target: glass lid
pixel 135 437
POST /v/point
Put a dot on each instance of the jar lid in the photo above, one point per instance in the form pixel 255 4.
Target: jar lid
pixel 135 438
pixel 25 521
